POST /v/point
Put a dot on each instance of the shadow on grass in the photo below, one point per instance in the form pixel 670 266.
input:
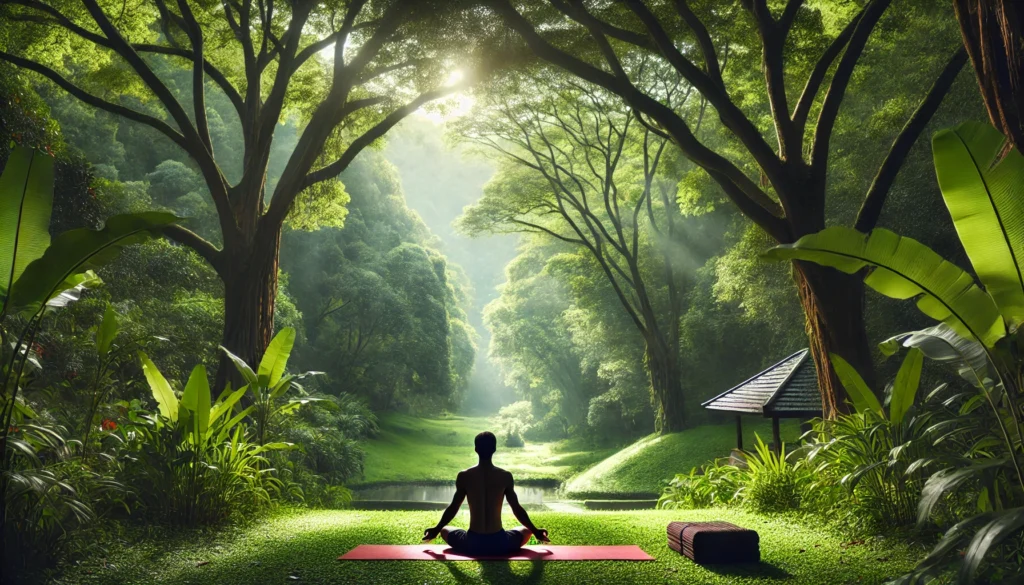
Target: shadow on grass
pixel 499 572
pixel 762 569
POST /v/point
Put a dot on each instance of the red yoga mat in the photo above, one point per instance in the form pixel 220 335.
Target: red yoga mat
pixel 441 552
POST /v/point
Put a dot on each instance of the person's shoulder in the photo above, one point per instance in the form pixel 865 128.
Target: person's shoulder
pixel 504 473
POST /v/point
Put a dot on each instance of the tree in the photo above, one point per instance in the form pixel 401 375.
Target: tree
pixel 789 200
pixel 993 32
pixel 382 309
pixel 350 70
pixel 530 340
pixel 582 169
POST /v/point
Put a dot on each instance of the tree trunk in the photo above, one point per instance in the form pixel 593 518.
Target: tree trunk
pixel 250 289
pixel 666 386
pixel 833 304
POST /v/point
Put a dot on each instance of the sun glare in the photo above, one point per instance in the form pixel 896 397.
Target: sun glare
pixel 454 106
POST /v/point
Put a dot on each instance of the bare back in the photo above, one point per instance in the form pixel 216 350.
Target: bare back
pixel 485 488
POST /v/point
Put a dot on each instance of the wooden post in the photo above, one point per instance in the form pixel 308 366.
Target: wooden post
pixel 776 435
pixel 739 432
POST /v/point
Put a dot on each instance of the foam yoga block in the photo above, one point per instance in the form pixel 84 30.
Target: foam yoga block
pixel 714 542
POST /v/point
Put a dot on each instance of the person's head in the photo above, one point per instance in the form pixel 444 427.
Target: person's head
pixel 486 444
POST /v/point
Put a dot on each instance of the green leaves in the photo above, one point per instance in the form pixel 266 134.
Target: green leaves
pixel 904 389
pixel 985 197
pixel 106 332
pixel 863 398
pixel 166 401
pixel 79 250
pixel 275 359
pixel 196 398
pixel 1005 524
pixel 904 268
pixel 26 202
pixel 242 367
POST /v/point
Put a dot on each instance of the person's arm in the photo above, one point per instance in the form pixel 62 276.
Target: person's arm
pixel 450 511
pixel 520 513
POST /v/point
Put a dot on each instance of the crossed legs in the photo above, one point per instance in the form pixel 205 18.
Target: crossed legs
pixel 522 530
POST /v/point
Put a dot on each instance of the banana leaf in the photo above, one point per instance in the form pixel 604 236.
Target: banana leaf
pixel 166 401
pixel 904 389
pixel 80 250
pixel 275 359
pixel 243 368
pixel 26 202
pixel 71 289
pixel 903 268
pixel 985 197
pixel 196 398
pixel 106 332
pixel 863 398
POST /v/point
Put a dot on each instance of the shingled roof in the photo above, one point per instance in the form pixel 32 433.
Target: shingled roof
pixel 787 389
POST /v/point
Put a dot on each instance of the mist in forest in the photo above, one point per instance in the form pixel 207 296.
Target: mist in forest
pixel 439 180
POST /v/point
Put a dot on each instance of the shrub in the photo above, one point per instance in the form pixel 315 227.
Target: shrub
pixel 772 484
pixel 192 463
pixel 769 484
pixel 717 483
pixel 859 464
pixel 48 495
pixel 514 441
pixel 513 421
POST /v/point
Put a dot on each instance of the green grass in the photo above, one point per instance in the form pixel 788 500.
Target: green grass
pixel 640 469
pixel 301 547
pixel 412 449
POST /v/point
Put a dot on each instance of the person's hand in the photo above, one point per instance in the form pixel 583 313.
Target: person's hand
pixel 541 535
pixel 431 533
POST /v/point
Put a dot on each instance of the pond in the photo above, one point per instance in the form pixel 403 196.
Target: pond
pixel 413 492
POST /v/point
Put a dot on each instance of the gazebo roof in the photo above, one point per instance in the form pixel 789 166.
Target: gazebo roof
pixel 787 389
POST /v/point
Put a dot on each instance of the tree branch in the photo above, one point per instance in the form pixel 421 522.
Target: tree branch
pixel 871 209
pixel 707 47
pixel 817 76
pixel 201 246
pixel 63 21
pixel 732 117
pixel 211 70
pixel 195 37
pixel 769 212
pixel 97 102
pixel 837 89
pixel 545 230
pixel 368 137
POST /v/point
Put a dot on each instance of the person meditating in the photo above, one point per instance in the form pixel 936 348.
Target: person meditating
pixel 486 486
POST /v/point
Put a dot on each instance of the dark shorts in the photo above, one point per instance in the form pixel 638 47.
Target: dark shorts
pixel 474 544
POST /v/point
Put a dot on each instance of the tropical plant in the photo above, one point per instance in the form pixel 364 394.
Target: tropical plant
pixel 772 483
pixel 327 435
pixel 38 274
pixel 268 384
pixel 191 461
pixel 48 493
pixel 717 483
pixel 861 462
pixel 768 482
pixel 982 184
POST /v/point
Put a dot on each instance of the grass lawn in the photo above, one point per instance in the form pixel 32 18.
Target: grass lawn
pixel 413 449
pixel 641 467
pixel 301 547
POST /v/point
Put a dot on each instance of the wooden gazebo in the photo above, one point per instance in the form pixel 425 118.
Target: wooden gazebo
pixel 789 389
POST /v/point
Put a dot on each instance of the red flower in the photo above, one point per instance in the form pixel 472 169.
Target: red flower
pixel 12 429
pixel 39 349
pixel 71 375
pixel 108 425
